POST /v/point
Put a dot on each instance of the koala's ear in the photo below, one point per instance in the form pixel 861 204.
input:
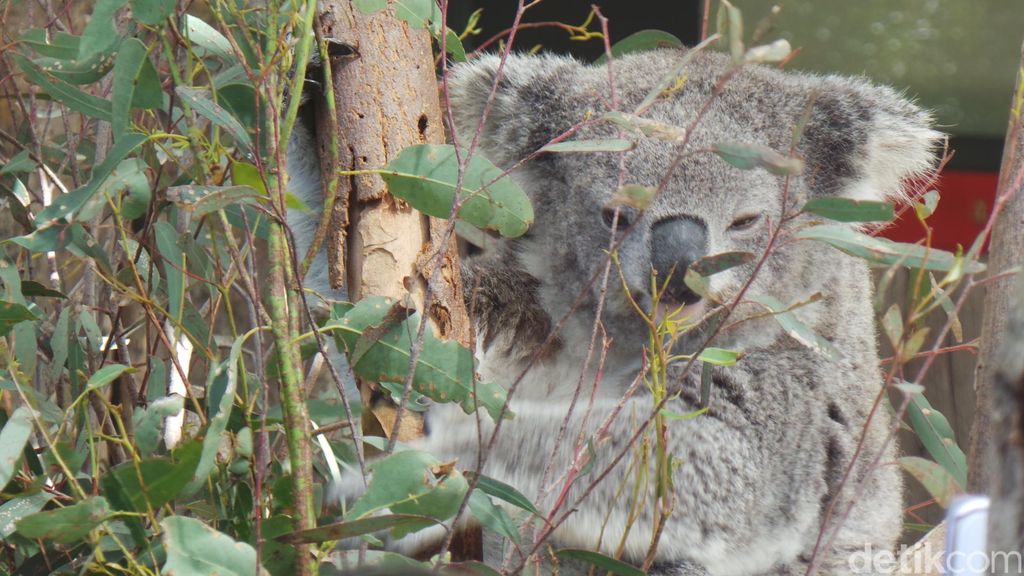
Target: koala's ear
pixel 532 103
pixel 863 141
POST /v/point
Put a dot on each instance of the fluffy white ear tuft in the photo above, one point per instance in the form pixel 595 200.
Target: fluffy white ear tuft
pixel 871 137
pixel 526 106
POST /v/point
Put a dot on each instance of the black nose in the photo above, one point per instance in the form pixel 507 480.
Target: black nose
pixel 675 244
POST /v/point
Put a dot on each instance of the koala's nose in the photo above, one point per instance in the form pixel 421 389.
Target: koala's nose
pixel 675 244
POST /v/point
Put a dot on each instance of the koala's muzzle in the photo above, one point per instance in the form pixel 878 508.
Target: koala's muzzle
pixel 675 244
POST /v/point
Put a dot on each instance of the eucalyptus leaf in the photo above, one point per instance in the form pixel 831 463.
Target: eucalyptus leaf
pixel 849 210
pixel 19 507
pixel 886 252
pixel 798 330
pixel 605 563
pixel 352 528
pixel 492 516
pixel 502 491
pixel 65 93
pixel 426 175
pixel 13 439
pixel 207 39
pixel 379 350
pixel 100 32
pixel 194 548
pixel 935 433
pixel 200 101
pixel 412 482
pixel 68 524
pixel 600 145
pixel 936 479
pixel 642 41
pixel 152 12
pixel 749 156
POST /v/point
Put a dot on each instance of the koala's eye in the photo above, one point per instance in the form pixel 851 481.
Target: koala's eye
pixel 745 222
pixel 625 217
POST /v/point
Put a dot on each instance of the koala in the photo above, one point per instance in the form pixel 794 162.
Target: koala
pixel 756 473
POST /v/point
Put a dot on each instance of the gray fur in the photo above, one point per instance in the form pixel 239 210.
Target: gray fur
pixel 759 468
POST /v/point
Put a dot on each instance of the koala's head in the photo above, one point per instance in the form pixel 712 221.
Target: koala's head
pixel 859 141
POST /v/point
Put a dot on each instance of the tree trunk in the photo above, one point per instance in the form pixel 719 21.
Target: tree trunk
pixel 1006 249
pixel 377 244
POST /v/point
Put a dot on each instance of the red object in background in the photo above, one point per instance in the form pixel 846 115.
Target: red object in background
pixel 965 202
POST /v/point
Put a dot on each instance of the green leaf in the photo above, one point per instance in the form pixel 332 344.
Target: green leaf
pixel 106 375
pixel 161 480
pixel 412 482
pixel 378 348
pixel 892 325
pixel 65 93
pixel 278 558
pixel 797 329
pixel 59 46
pixel 13 439
pixel 130 176
pixel 937 436
pixel 642 41
pixel 936 479
pixel 711 265
pixel 646 126
pixel 218 412
pixel 453 45
pixel 730 26
pixel 848 210
pixel 492 516
pixel 504 492
pixel 200 101
pixel 207 40
pixel 20 162
pixel 148 421
pixel 635 195
pixel 205 199
pixel 48 238
pixel 925 208
pixel 100 32
pixel 603 562
pixel 887 252
pixel 719 356
pixel 418 13
pixel 12 314
pixel 682 417
pixel 132 86
pixel 598 145
pixel 33 288
pixel 370 6
pixel 352 528
pixel 194 548
pixel 77 71
pixel 66 525
pixel 17 508
pixel 152 12
pixel 750 156
pixel 425 176
pixel 66 205
pixel 174 269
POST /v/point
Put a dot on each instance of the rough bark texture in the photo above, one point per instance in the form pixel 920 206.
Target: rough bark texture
pixel 1006 251
pixel 387 100
pixel 1006 516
